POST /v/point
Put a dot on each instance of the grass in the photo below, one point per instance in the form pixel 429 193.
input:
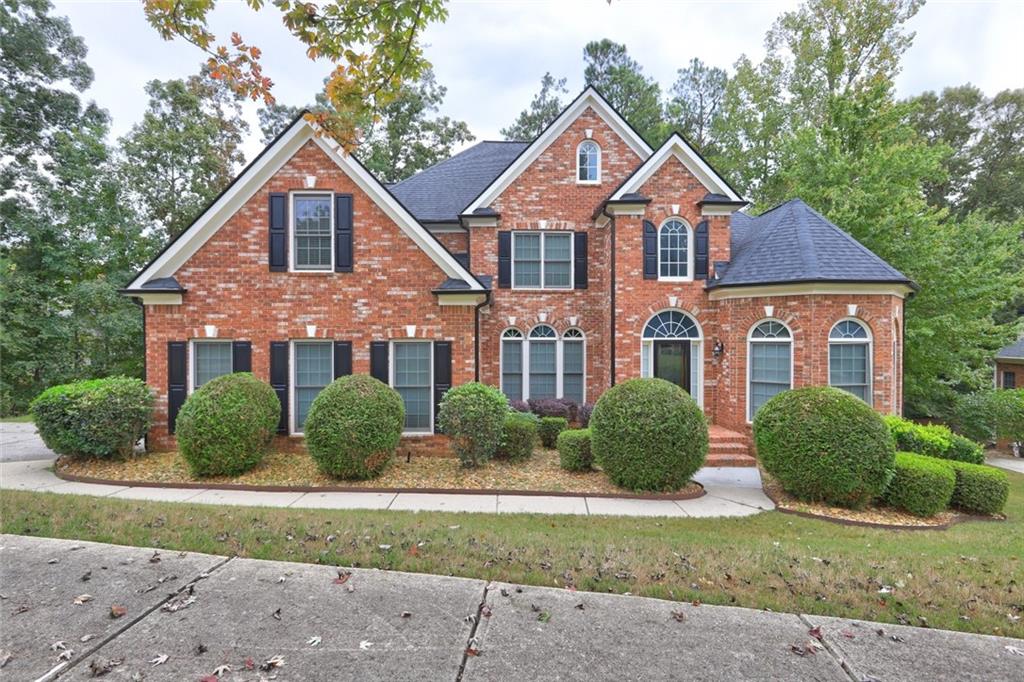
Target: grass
pixel 22 419
pixel 968 578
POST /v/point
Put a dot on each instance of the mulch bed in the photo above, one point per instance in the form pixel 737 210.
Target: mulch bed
pixel 297 470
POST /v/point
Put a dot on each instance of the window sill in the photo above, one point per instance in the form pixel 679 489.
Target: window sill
pixel 416 434
pixel 591 183
pixel 675 280
pixel 314 272
pixel 540 289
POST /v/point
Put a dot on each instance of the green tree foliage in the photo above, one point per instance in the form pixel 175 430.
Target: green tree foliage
pixel 696 103
pixel 621 80
pixel 544 108
pixel 185 150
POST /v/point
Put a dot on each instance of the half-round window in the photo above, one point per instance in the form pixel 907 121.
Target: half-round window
pixel 671 324
pixel 588 162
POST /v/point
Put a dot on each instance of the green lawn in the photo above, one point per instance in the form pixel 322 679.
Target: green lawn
pixel 968 578
pixel 23 419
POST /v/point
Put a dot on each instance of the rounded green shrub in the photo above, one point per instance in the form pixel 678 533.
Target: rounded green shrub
pixel 518 436
pixel 965 450
pixel 574 452
pixel 979 488
pixel 550 427
pixel 921 485
pixel 824 445
pixel 96 418
pixel 226 425
pixel 648 434
pixel 473 416
pixel 354 426
pixel 933 440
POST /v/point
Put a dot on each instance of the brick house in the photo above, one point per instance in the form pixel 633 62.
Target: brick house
pixel 550 268
pixel 1010 366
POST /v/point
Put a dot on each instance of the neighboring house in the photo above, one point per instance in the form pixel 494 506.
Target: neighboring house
pixel 550 268
pixel 1010 366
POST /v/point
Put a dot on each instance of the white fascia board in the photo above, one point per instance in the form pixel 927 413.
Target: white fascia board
pixel 158 298
pixel 588 98
pixel 809 289
pixel 677 147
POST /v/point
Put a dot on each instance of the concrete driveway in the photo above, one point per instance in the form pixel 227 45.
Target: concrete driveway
pixel 19 442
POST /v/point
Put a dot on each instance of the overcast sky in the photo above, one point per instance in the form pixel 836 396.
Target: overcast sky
pixel 491 54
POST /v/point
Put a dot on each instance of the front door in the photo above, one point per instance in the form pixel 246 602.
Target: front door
pixel 672 362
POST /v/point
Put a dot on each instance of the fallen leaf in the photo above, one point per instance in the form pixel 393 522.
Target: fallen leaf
pixel 86 638
pixel 1014 650
pixel 221 670
pixel 544 616
pixel 5 657
pixel 155 559
pixel 364 645
pixel 82 598
pixel 314 641
pixel 679 616
pixel 384 547
pixel 66 655
pixel 276 614
pixel 58 646
pixel 179 603
pixel 815 632
pixel 53 561
pixel 159 660
pixel 485 611
pixel 472 652
pixel 86 576
pixel 101 666
pixel 117 611
pixel 406 614
pixel 272 662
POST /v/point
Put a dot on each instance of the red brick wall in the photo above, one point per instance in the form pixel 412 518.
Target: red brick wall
pixel 229 285
pixel 1016 369
pixel 456 242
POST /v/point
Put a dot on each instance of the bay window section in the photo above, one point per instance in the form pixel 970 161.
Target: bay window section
pixel 542 260
pixel 770 358
pixel 412 378
pixel 314 370
pixel 849 359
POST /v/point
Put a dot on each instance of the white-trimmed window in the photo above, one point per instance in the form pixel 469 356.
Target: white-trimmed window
pixel 674 326
pixel 210 359
pixel 312 370
pixel 849 358
pixel 769 363
pixel 542 260
pixel 312 233
pixel 543 365
pixel 588 163
pixel 675 255
pixel 412 375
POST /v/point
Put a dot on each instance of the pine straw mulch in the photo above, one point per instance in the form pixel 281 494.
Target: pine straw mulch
pixel 874 515
pixel 541 473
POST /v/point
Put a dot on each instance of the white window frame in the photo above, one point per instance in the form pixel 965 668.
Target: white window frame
pixel 869 342
pixel 750 357
pixel 191 360
pixel 391 380
pixel 689 250
pixel 291 229
pixel 543 236
pixel 597 180
pixel 647 343
pixel 292 413
pixel 559 341
pixel 508 335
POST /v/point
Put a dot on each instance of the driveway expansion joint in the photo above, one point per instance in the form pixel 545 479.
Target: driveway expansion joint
pixel 472 633
pixel 828 648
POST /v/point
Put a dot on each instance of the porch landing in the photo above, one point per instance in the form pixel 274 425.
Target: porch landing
pixel 728 448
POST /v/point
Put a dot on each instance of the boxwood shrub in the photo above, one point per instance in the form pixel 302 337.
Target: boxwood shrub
pixel 979 488
pixel 965 450
pixel 473 416
pixel 550 427
pixel 824 445
pixel 518 436
pixel 648 434
pixel 354 426
pixel 921 485
pixel 225 427
pixel 934 440
pixel 96 418
pixel 574 452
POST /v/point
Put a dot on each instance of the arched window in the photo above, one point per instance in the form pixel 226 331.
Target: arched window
pixel 671 348
pixel 542 365
pixel 674 253
pixel 512 364
pixel 573 365
pixel 849 358
pixel 769 363
pixel 588 162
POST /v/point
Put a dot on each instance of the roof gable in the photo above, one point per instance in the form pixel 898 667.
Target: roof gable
pixel 591 98
pixel 1015 351
pixel 678 148
pixel 259 171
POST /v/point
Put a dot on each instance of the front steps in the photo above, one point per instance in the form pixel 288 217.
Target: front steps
pixel 728 448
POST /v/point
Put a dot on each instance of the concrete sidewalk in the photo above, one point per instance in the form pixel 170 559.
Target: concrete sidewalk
pixel 186 616
pixel 731 491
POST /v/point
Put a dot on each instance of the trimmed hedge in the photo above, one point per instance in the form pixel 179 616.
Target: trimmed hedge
pixel 921 485
pixel 979 488
pixel 226 425
pixel 473 416
pixel 824 445
pixel 354 426
pixel 574 452
pixel 518 436
pixel 550 427
pixel 965 450
pixel 933 440
pixel 648 434
pixel 96 418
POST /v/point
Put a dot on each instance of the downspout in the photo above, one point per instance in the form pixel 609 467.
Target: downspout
pixel 611 338
pixel 476 335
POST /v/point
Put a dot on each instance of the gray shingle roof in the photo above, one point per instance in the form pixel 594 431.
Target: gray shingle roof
pixel 452 284
pixel 163 284
pixel 1015 351
pixel 441 192
pixel 794 243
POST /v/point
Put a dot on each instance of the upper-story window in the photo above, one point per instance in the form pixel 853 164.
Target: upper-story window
pixel 542 260
pixel 588 162
pixel 849 358
pixel 675 257
pixel 312 232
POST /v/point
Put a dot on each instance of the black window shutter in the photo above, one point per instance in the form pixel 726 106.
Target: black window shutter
pixel 342 358
pixel 650 250
pixel 177 380
pixel 442 373
pixel 241 356
pixel 343 233
pixel 700 251
pixel 579 272
pixel 504 260
pixel 379 361
pixel 278 232
pixel 279 379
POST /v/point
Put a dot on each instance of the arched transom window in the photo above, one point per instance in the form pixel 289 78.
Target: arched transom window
pixel 849 358
pixel 543 365
pixel 769 363
pixel 671 324
pixel 675 257
pixel 588 162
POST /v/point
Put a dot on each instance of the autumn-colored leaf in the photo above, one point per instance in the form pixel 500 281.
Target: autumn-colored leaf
pixel 117 611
